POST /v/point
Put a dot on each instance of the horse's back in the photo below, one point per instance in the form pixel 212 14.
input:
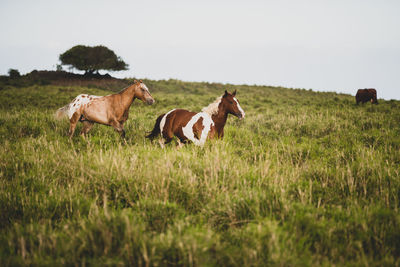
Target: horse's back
pixel 175 119
pixel 182 115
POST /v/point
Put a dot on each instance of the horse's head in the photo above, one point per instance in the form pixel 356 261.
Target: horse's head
pixel 231 104
pixel 143 93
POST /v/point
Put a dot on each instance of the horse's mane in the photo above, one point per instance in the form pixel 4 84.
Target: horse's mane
pixel 123 90
pixel 213 107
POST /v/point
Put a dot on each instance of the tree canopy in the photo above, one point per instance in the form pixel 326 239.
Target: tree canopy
pixel 91 59
pixel 14 73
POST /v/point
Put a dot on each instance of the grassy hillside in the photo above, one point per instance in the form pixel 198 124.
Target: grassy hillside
pixel 305 179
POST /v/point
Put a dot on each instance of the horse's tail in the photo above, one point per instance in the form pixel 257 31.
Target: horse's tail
pixel 61 112
pixel 156 130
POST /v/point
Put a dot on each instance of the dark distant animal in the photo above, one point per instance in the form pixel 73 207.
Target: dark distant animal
pixel 197 127
pixel 365 95
pixel 112 110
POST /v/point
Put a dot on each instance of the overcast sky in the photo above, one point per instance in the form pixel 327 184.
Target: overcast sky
pixel 337 45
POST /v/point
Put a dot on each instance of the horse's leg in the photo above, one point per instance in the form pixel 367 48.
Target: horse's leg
pixel 222 133
pixel 87 126
pixel 119 128
pixel 72 124
pixel 167 140
pixel 168 136
pixel 123 133
pixel 160 141
pixel 123 130
pixel 180 144
pixel 163 143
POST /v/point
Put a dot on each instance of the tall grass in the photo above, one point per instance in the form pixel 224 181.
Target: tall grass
pixel 305 179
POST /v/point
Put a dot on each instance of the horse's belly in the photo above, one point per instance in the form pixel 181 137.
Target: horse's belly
pixel 99 117
pixel 96 112
pixel 198 128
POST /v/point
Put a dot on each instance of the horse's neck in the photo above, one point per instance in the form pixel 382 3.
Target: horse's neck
pixel 220 120
pixel 128 95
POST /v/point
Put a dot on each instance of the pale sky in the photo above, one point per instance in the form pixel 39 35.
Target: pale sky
pixel 322 45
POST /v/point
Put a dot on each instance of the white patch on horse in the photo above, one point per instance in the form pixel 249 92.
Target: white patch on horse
pixel 188 129
pixel 144 87
pixel 79 101
pixel 162 122
pixel 239 107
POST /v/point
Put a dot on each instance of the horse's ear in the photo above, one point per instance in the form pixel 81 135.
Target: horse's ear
pixel 226 93
pixel 234 93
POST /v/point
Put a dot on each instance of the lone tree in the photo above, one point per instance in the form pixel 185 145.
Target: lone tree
pixel 14 73
pixel 91 59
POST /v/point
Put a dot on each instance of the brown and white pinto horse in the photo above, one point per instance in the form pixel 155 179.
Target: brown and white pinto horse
pixel 197 127
pixel 112 110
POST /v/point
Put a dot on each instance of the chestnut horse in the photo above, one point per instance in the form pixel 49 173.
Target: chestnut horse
pixel 112 110
pixel 197 127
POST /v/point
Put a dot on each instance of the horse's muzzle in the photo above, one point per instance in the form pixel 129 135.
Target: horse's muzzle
pixel 150 101
pixel 240 115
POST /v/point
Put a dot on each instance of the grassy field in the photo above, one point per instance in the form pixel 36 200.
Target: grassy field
pixel 305 179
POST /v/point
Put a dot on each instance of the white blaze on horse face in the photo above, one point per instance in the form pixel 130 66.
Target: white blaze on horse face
pixel 188 129
pixel 145 87
pixel 162 122
pixel 148 98
pixel 79 101
pixel 239 107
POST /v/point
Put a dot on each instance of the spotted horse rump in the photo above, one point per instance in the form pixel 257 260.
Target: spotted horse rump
pixel 79 103
pixel 195 127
